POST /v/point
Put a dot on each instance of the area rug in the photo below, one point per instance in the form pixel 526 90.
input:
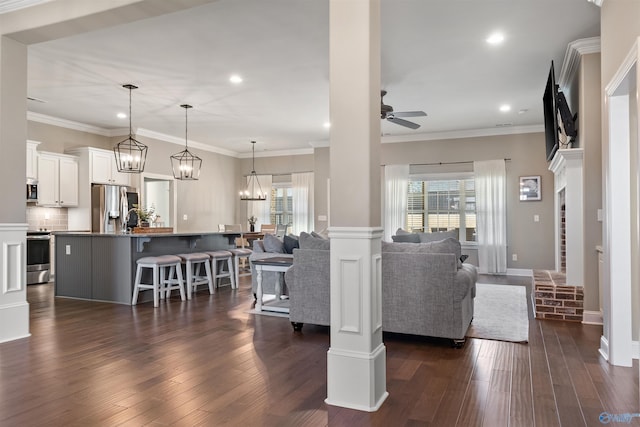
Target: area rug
pixel 500 313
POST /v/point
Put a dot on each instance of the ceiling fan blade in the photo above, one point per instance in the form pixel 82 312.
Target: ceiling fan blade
pixel 405 123
pixel 409 113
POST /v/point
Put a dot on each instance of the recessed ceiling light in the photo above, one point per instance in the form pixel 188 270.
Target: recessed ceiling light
pixel 495 38
pixel 505 108
pixel 326 125
pixel 121 115
pixel 235 79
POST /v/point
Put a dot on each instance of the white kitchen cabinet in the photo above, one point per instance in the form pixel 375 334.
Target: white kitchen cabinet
pixel 104 169
pixel 57 180
pixel 32 159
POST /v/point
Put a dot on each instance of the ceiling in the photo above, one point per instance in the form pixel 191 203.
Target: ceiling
pixel 434 58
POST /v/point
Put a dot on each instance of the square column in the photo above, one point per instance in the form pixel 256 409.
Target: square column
pixel 356 361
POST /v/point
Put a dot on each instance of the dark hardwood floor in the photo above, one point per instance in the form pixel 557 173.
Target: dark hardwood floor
pixel 208 362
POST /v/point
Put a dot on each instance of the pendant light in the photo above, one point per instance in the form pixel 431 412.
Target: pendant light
pixel 253 192
pixel 186 165
pixel 131 154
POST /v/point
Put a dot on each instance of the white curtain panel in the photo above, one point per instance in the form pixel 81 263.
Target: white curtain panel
pixel 491 215
pixel 396 187
pixel 302 192
pixel 261 209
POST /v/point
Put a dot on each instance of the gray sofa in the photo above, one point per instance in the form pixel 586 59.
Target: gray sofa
pixel 426 290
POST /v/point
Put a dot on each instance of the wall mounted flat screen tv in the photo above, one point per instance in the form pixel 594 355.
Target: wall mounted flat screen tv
pixel 550 115
pixel 559 124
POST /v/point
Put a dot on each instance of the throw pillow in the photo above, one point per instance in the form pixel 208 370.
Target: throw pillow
pixel 401 231
pixel 317 235
pixel 291 242
pixel 437 236
pixel 406 238
pixel 273 244
pixel 307 241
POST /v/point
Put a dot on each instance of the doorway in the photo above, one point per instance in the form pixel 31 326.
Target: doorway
pixel 159 191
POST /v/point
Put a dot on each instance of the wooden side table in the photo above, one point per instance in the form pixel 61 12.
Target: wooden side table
pixel 277 264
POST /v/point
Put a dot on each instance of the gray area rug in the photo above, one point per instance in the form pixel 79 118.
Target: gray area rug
pixel 500 313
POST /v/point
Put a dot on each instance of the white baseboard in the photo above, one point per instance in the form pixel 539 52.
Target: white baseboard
pixel 604 348
pixel 590 317
pixel 526 272
pixel 635 349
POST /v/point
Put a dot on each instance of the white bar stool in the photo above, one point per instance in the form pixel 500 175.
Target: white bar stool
pixel 219 273
pixel 160 284
pixel 193 262
pixel 238 254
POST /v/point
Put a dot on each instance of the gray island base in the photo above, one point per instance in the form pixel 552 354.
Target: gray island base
pixel 102 267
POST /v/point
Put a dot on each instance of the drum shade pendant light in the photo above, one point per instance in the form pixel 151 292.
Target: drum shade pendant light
pixel 186 165
pixel 253 192
pixel 131 154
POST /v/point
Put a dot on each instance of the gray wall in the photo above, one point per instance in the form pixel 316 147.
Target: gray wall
pixel 531 241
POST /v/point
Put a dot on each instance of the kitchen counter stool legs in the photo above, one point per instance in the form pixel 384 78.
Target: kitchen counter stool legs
pixel 217 271
pixel 193 262
pixel 160 284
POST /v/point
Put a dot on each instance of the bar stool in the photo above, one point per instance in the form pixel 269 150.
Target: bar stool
pixel 193 262
pixel 160 284
pixel 238 254
pixel 216 257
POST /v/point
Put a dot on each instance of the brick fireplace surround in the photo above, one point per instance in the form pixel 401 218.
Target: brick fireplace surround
pixel 554 299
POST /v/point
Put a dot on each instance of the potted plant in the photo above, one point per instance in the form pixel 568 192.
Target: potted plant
pixel 145 215
pixel 252 223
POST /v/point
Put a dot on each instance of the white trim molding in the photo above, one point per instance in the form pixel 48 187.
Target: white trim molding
pixel 572 58
pixel 14 308
pixel 591 317
pixel 596 2
pixel 356 360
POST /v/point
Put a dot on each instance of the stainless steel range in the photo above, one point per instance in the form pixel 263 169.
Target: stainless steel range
pixel 38 257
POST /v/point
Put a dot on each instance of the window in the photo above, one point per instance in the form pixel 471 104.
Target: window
pixel 441 205
pixel 281 204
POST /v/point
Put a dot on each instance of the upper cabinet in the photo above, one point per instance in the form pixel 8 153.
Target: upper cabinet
pixel 104 169
pixel 32 159
pixel 57 180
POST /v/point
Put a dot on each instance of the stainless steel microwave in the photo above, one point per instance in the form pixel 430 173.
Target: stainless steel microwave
pixel 32 191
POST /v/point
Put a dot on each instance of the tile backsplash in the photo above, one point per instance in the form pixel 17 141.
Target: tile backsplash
pixel 54 219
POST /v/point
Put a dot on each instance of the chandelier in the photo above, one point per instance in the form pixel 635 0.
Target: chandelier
pixel 253 192
pixel 186 165
pixel 131 154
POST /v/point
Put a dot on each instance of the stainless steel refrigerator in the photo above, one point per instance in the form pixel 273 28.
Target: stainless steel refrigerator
pixel 112 208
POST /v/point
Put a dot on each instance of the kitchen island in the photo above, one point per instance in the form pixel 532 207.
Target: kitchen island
pixel 102 267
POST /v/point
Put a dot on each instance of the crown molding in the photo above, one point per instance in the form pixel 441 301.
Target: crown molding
pixel 572 57
pixel 277 153
pixel 180 141
pixel 11 5
pixel 596 2
pixel 459 134
pixel 68 124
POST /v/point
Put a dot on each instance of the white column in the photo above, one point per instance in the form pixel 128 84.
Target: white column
pixel 14 309
pixel 356 361
pixel 567 166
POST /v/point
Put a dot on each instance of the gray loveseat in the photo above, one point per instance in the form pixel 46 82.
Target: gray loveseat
pixel 426 290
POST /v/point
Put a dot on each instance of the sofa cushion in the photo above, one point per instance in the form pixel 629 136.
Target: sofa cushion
pixel 446 246
pixel 406 238
pixel 273 244
pixel 437 235
pixel 318 235
pixel 291 242
pixel 307 241
pixel 258 246
pixel 402 231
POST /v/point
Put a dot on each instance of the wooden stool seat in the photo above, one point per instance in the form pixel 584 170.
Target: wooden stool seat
pixel 160 284
pixel 217 256
pixel 238 254
pixel 193 262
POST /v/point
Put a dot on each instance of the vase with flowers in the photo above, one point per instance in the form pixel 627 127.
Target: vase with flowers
pixel 145 215
pixel 252 223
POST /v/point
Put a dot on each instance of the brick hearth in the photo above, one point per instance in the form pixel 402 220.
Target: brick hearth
pixel 554 299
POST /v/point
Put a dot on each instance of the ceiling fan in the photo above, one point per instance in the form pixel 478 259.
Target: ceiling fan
pixel 386 112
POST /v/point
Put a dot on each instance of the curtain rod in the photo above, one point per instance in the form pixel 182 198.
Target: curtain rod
pixel 444 163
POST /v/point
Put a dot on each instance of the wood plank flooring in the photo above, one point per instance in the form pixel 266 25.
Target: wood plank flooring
pixel 207 362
